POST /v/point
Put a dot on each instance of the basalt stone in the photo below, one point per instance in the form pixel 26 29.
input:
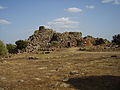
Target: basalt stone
pixel 48 38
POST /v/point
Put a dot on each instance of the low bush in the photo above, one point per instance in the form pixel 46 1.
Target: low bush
pixel 116 39
pixel 3 49
pixel 21 44
pixel 12 48
pixel 99 41
pixel 41 28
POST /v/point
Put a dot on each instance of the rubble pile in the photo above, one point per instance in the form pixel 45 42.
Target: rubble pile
pixel 48 38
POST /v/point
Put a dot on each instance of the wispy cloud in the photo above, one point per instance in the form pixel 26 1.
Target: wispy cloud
pixel 2 7
pixel 74 10
pixel 107 1
pixel 90 6
pixel 3 21
pixel 116 2
pixel 63 23
pixel 111 1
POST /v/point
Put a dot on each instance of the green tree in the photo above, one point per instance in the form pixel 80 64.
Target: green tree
pixel 3 49
pixel 21 44
pixel 116 39
pixel 12 48
pixel 100 41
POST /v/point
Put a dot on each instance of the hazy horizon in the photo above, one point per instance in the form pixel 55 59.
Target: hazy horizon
pixel 97 18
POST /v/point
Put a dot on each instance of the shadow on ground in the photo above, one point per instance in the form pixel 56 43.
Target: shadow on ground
pixel 96 83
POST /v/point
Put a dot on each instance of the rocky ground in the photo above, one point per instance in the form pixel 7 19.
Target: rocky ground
pixel 65 69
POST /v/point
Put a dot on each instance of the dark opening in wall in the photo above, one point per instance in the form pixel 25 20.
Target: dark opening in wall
pixel 68 44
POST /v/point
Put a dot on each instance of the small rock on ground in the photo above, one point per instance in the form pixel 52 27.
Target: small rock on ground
pixel 64 85
pixel 2 88
pixel 32 58
pixel 74 72
pixel 20 80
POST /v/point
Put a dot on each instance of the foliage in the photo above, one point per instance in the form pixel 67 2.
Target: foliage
pixel 100 41
pixel 21 44
pixel 41 28
pixel 36 31
pixel 88 36
pixel 3 49
pixel 12 48
pixel 116 39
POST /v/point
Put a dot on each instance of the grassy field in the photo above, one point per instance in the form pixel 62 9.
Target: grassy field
pixel 65 69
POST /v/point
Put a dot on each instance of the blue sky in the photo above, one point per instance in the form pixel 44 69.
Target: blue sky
pixel 98 18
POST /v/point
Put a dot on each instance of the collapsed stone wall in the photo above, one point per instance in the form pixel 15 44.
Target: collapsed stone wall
pixel 39 39
pixel 47 38
pixel 88 41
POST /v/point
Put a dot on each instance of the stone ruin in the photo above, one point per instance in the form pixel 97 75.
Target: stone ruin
pixel 48 40
pixel 45 39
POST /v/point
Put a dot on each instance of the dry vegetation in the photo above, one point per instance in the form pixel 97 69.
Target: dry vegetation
pixel 67 69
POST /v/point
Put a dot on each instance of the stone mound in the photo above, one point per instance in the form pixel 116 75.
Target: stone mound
pixel 48 38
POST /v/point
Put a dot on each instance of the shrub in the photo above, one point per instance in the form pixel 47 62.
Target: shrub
pixel 21 44
pixel 36 31
pixel 12 48
pixel 88 36
pixel 100 41
pixel 116 39
pixel 3 49
pixel 41 28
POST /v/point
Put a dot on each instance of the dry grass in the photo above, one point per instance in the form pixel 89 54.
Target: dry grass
pixel 94 71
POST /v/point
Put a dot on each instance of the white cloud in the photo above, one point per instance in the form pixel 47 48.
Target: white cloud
pixel 3 21
pixel 2 7
pixel 111 1
pixel 107 1
pixel 90 6
pixel 74 10
pixel 46 26
pixel 63 24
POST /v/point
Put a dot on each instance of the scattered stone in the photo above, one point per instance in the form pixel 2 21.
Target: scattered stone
pixel 65 79
pixel 74 72
pixel 9 56
pixel 32 58
pixel 59 68
pixel 42 68
pixel 20 81
pixel 2 78
pixel 38 79
pixel 46 52
pixel 52 70
pixel 82 73
pixel 64 85
pixel 114 56
pixel 2 88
